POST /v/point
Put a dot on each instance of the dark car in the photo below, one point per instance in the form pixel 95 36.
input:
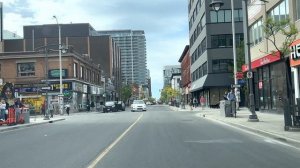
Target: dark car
pixel 120 105
pixel 110 106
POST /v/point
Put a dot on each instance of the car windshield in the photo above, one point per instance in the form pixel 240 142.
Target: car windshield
pixel 138 102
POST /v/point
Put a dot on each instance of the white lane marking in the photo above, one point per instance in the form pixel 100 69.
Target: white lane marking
pixel 106 151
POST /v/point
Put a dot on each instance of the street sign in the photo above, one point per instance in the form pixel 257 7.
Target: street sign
pixel 241 81
pixel 239 75
pixel 235 86
pixel 46 88
pixel 249 75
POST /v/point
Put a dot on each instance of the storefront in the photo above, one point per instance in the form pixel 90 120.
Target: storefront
pixel 295 67
pixel 269 75
pixel 31 95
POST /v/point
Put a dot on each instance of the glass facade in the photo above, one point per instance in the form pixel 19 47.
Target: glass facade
pixel 222 66
pixel 270 86
pixel 199 72
pixel 225 40
pixel 224 16
pixel 256 32
pixel 280 12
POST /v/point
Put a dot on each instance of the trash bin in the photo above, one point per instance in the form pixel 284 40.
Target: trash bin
pixel 26 114
pixel 225 108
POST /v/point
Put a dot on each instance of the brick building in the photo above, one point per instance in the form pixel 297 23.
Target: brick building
pixel 90 63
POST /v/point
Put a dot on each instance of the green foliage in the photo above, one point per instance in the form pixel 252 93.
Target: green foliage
pixel 240 56
pixel 168 93
pixel 284 27
pixel 126 92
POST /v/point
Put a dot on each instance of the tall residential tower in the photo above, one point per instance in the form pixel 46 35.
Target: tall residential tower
pixel 132 44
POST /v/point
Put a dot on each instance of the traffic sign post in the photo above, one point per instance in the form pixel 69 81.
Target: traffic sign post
pixel 249 75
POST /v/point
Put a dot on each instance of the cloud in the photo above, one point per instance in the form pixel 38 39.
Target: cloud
pixel 165 23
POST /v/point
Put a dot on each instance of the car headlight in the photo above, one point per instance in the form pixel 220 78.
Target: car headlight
pixel 113 106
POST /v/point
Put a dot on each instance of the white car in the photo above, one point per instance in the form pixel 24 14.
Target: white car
pixel 138 105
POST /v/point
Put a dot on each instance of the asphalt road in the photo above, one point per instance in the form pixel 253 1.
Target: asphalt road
pixel 158 138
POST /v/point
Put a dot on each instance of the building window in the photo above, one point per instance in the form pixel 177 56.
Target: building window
pixel 224 16
pixel 75 69
pixel 256 32
pixel 225 40
pixel 81 72
pixel 213 17
pixel 280 12
pixel 26 69
pixel 222 66
pixel 204 67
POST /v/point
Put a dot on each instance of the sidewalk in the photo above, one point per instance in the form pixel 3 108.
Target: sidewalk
pixel 34 120
pixel 270 125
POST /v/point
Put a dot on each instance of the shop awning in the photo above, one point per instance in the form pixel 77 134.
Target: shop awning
pixel 212 80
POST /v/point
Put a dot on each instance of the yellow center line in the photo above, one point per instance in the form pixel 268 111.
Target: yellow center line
pixel 107 150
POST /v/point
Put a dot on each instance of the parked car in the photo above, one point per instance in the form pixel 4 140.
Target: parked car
pixel 110 106
pixel 138 105
pixel 120 105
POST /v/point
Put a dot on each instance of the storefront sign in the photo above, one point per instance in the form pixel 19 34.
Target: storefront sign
pixel 295 53
pixel 56 86
pixel 54 73
pixel 262 61
pixel 260 85
pixel 29 88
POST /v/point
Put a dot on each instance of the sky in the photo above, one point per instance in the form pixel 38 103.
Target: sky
pixel 165 23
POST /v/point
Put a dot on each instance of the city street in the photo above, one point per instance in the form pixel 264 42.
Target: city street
pixel 157 138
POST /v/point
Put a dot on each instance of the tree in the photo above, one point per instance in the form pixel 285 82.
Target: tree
pixel 126 92
pixel 274 30
pixel 168 93
pixel 240 56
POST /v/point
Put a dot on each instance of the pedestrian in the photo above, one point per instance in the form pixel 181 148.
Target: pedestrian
pixel 93 106
pixel 2 110
pixel 6 109
pixel 191 103
pixel 68 109
pixel 51 109
pixel 88 107
pixel 225 95
pixel 231 97
pixel 202 102
pixel 195 102
pixel 44 108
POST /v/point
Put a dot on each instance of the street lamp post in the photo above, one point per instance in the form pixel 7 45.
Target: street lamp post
pixel 218 4
pixel 253 116
pixel 60 96
pixel 46 117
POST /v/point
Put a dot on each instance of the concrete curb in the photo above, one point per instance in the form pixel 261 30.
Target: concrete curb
pixel 290 141
pixel 13 127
